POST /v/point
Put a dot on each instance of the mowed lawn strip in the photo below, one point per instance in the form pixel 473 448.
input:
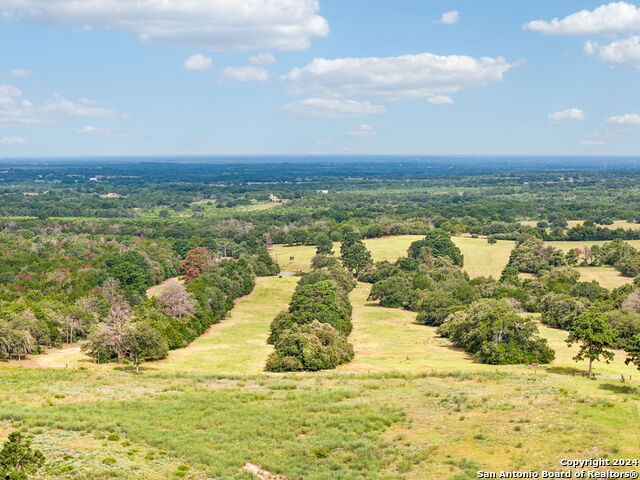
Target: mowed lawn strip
pixel 238 344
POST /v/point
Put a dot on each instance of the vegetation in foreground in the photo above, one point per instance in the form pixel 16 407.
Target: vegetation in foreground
pixel 362 426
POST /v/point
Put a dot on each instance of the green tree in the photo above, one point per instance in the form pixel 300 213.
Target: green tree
pixel 357 258
pixel 633 351
pixel 17 459
pixel 143 342
pixel 312 347
pixel 496 334
pixel 393 292
pixel 591 330
pixel 439 244
pixel 324 245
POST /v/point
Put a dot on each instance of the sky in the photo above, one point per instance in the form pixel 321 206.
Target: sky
pixel 414 77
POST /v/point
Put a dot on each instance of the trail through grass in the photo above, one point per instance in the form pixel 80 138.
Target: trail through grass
pixel 238 344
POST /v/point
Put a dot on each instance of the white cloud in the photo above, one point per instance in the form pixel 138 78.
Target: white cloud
pixel 332 108
pixel 12 141
pixel 620 52
pixel 262 59
pixel 211 24
pixel 110 133
pixel 627 119
pixel 568 115
pixel 16 110
pixel 613 18
pixel 245 74
pixel 449 18
pixel 363 131
pixel 198 63
pixel 592 143
pixel 440 100
pixel 393 78
pixel 19 73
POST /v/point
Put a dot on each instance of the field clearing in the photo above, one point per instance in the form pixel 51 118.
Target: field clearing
pixel 606 276
pixel 566 246
pixel 572 223
pixel 481 258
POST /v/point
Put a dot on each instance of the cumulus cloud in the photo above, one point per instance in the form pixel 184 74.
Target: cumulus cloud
pixel 110 133
pixel 245 74
pixel 363 131
pixel 568 115
pixel 212 24
pixel 394 78
pixel 198 63
pixel 613 18
pixel 332 108
pixel 19 73
pixel 262 59
pixel 16 110
pixel 12 141
pixel 620 52
pixel 449 18
pixel 440 100
pixel 627 119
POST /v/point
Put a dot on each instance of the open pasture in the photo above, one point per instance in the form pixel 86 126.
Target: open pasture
pixel 481 258
pixel 572 223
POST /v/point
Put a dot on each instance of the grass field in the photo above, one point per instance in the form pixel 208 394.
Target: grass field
pixel 572 223
pixel 481 258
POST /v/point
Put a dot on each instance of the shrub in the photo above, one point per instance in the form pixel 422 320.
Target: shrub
pixel 313 347
pixel 560 310
pixel 438 243
pixel 496 334
pixel 393 292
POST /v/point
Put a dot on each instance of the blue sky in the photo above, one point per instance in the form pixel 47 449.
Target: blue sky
pixel 167 77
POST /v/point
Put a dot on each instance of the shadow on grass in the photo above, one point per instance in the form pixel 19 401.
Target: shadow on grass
pixel 573 371
pixel 626 389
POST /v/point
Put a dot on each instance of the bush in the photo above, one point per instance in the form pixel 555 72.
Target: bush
pixel 312 347
pixel 437 243
pixel 393 292
pixel 496 334
pixel 560 310
pixel 531 255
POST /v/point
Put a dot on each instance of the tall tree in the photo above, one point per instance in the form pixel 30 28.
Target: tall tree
pixel 592 332
pixel 324 245
pixel 176 302
pixel 198 261
pixel 356 258
pixel 142 342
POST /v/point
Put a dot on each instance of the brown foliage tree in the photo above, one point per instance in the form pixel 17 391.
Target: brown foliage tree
pixel 198 261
